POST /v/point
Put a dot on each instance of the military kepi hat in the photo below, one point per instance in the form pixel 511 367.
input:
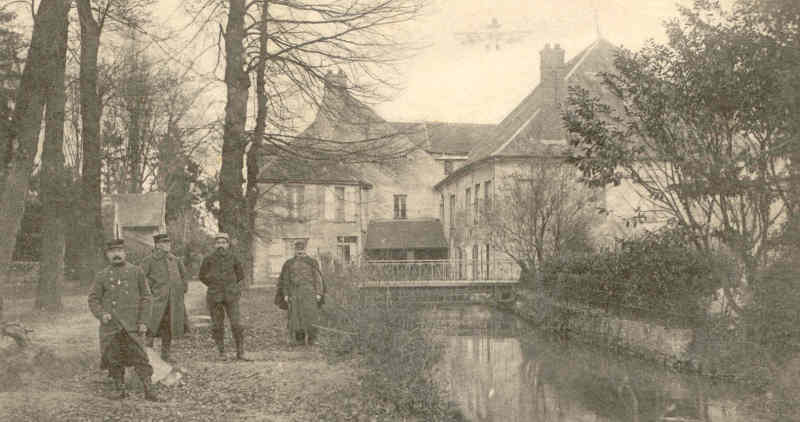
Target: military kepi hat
pixel 299 245
pixel 115 244
pixel 161 237
pixel 222 235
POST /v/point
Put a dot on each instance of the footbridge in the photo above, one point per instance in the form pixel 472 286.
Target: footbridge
pixel 438 281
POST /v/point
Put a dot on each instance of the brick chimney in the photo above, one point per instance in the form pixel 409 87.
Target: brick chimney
pixel 552 70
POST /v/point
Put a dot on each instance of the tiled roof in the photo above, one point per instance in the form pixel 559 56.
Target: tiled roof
pixel 140 210
pixel 457 138
pixel 405 234
pixel 343 124
pixel 286 168
pixel 535 125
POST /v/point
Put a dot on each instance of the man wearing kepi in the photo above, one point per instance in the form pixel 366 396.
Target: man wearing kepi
pixel 221 272
pixel 166 276
pixel 120 299
pixel 303 289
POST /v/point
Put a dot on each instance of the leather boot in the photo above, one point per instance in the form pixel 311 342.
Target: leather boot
pixel 119 387
pixel 149 390
pixel 165 351
pixel 240 347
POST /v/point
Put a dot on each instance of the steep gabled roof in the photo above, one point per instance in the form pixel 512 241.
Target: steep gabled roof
pixel 445 138
pixel 456 138
pixel 535 124
pixel 281 167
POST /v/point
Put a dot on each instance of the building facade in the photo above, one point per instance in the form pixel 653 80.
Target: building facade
pixel 453 174
pixel 345 211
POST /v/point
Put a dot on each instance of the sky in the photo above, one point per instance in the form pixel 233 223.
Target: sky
pixel 456 82
pixel 451 81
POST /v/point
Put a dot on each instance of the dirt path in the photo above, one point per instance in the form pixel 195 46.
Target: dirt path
pixel 282 383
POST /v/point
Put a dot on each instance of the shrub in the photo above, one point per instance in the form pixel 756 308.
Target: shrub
pixel 398 353
pixel 656 276
pixel 773 317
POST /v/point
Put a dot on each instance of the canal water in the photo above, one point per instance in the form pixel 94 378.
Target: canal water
pixel 497 368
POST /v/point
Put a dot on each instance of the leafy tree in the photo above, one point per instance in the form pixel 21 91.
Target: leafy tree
pixel 699 127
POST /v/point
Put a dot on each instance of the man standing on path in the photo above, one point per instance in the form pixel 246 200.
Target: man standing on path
pixel 167 279
pixel 303 289
pixel 221 272
pixel 120 299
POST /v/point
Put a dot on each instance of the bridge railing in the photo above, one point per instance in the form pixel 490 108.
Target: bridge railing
pixel 442 270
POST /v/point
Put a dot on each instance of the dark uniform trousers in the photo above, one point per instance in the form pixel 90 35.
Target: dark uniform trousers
pixel 218 309
pixel 164 328
pixel 124 351
pixel 221 272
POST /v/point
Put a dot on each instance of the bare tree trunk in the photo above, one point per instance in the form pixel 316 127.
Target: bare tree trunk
pixel 89 218
pixel 54 177
pixel 254 153
pixel 135 91
pixel 232 206
pixel 26 127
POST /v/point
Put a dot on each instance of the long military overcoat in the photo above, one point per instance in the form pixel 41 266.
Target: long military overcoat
pixel 166 277
pixel 301 280
pixel 121 291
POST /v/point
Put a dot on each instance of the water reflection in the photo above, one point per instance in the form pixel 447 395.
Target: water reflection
pixel 497 369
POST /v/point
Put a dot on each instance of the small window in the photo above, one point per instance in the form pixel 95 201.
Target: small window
pixel 400 207
pixel 487 196
pixel 477 203
pixel 452 220
pixel 468 204
pixel 346 247
pixel 295 196
pixel 339 203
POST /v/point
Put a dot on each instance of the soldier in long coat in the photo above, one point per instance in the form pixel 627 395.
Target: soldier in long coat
pixel 167 279
pixel 120 300
pixel 222 272
pixel 303 288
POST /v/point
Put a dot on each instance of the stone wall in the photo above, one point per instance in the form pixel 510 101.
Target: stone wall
pixel 647 340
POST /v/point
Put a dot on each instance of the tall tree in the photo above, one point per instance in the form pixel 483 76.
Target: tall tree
pixel 89 217
pixel 700 129
pixel 22 142
pixel 234 139
pixel 254 161
pixel 305 41
pixel 93 18
pixel 54 178
pixel 10 70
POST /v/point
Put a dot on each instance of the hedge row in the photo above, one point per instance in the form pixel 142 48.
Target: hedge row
pixel 656 277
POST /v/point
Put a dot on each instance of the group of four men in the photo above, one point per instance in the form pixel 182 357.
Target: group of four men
pixel 136 303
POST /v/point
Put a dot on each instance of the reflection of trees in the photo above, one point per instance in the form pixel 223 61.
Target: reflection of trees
pixel 566 382
pixel 540 380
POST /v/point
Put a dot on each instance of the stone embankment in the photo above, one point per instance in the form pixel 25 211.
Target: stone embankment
pixel 651 341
